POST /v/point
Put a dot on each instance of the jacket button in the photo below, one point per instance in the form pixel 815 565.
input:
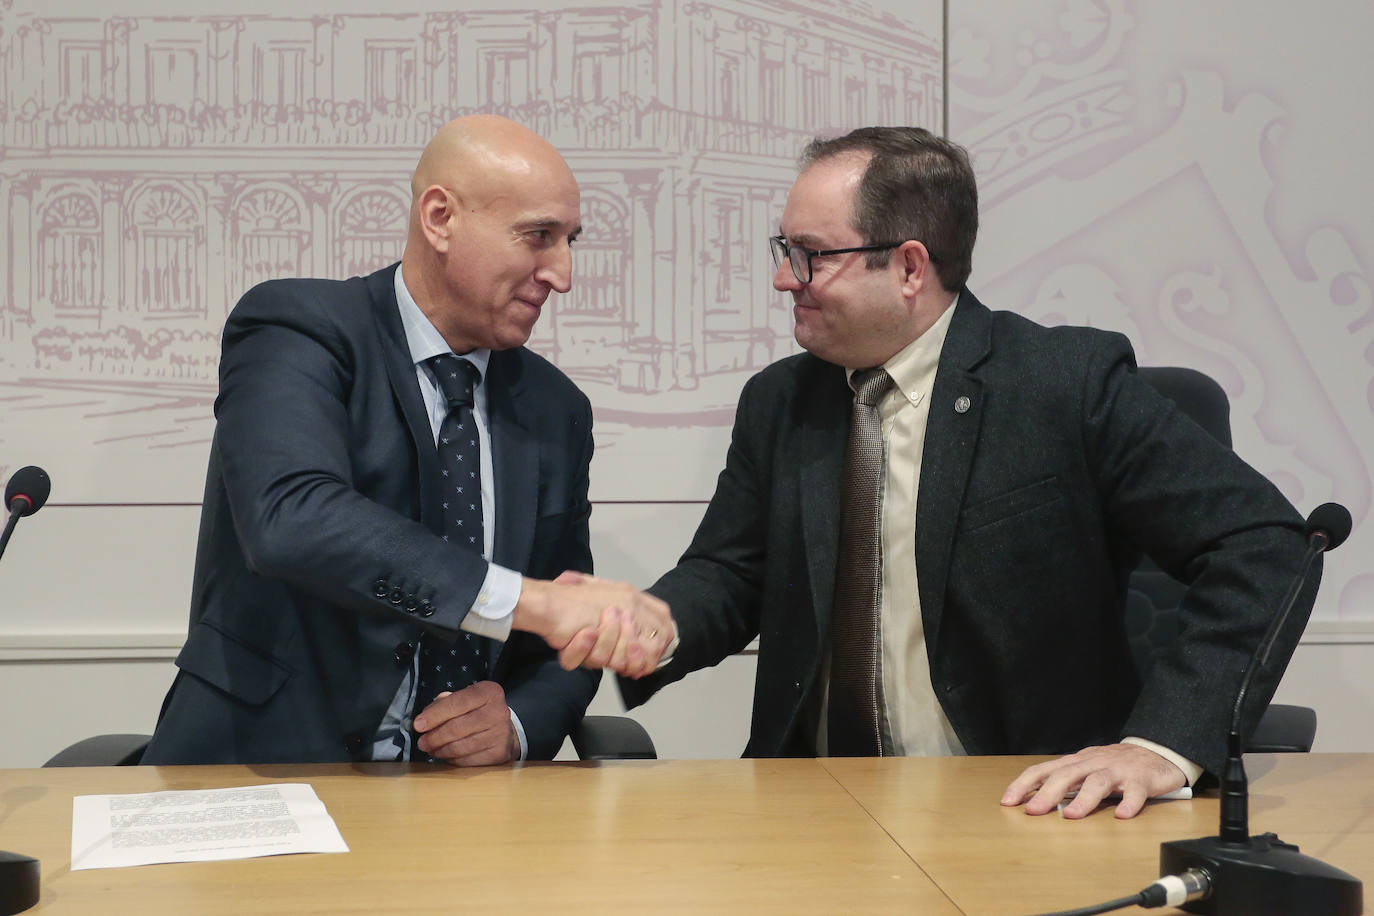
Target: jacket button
pixel 353 743
pixel 426 608
pixel 397 595
pixel 405 652
pixel 412 604
pixel 379 588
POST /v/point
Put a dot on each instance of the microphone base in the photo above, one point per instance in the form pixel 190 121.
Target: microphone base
pixel 18 882
pixel 1263 876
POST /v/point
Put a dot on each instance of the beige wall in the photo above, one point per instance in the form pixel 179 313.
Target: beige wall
pixel 1193 174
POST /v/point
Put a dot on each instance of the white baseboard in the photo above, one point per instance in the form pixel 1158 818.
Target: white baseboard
pixel 89 646
pixel 37 646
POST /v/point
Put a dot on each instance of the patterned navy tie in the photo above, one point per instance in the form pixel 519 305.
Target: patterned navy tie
pixel 854 723
pixel 453 666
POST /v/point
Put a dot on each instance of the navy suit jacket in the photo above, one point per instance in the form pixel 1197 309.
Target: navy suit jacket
pixel 1035 502
pixel 319 561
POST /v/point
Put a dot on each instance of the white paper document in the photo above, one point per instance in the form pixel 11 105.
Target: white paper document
pixel 111 831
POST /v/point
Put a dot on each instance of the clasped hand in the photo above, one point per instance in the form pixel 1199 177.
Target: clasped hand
pixel 598 623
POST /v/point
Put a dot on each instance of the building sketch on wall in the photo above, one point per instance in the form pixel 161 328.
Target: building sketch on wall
pixel 1153 215
pixel 154 167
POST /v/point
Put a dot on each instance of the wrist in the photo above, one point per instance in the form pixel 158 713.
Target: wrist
pixel 531 608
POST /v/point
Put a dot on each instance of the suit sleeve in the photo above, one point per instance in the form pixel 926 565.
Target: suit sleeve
pixel 1212 522
pixel 549 700
pixel 715 591
pixel 288 444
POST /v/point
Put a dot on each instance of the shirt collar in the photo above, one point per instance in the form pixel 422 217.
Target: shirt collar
pixel 422 337
pixel 913 367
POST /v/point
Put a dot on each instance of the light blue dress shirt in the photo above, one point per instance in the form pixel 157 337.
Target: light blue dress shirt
pixel 491 614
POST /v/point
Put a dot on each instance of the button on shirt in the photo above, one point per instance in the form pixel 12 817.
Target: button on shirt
pixel 493 610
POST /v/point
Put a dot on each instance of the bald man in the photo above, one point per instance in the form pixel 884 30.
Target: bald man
pixel 340 609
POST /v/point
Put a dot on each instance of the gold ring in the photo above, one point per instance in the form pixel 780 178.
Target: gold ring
pixel 652 633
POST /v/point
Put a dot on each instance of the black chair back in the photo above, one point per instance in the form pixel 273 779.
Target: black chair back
pixel 1153 596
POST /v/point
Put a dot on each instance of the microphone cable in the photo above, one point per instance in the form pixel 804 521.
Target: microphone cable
pixel 1171 890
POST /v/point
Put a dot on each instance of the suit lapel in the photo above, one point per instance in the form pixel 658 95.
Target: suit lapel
pixel 956 411
pixel 400 370
pixel 821 454
pixel 515 462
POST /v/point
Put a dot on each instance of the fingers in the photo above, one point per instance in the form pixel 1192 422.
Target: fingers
pixel 1063 777
pixel 1092 789
pixel 469 727
pixel 1023 786
pixel 448 705
pixel 1043 786
pixel 628 640
pixel 608 636
pixel 575 652
pixel 1133 799
pixel 654 631
pixel 1092 776
pixel 488 747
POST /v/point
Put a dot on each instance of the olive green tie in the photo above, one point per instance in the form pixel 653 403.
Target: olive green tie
pixel 854 722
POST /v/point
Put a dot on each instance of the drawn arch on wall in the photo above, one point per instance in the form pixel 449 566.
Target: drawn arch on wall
pixel 270 233
pixel 371 224
pixel 68 278
pixel 601 258
pixel 167 222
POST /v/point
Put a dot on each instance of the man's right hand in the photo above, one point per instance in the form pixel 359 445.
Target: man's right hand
pixel 596 623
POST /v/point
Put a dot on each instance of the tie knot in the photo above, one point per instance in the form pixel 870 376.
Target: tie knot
pixel 456 378
pixel 870 385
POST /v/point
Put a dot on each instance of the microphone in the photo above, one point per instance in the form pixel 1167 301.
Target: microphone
pixel 27 490
pixel 1262 875
pixel 25 494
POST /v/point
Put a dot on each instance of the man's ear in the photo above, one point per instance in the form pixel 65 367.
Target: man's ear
pixel 917 272
pixel 437 210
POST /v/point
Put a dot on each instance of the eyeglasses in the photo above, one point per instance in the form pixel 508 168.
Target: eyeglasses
pixel 800 257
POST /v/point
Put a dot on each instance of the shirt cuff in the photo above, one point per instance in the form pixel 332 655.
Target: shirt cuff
pixel 1191 771
pixel 667 655
pixel 519 733
pixel 493 612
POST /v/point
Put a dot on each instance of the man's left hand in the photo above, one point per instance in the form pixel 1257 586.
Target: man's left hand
pixel 469 727
pixel 1131 771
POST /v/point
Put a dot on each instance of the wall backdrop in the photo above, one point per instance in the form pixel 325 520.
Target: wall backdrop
pixel 1195 174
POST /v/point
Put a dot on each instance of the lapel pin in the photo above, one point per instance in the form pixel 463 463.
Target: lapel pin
pixel 961 405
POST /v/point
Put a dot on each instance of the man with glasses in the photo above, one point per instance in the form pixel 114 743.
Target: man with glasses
pixel 393 480
pixel 928 519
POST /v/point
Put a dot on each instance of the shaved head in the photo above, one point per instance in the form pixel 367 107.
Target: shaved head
pixel 474 156
pixel 494 210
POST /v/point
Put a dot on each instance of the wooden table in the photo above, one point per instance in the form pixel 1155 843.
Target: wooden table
pixel 994 860
pixel 913 836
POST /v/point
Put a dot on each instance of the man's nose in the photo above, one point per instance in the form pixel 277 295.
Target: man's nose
pixel 556 269
pixel 784 279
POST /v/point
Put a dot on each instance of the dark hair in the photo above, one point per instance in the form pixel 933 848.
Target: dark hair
pixel 917 186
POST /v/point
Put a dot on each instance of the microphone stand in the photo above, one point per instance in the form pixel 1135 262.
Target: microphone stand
pixel 1262 875
pixel 16 514
pixel 19 874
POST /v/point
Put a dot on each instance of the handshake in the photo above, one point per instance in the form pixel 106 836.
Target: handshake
pixel 597 623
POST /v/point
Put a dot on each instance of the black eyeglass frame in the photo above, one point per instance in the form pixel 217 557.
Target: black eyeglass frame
pixel 781 248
